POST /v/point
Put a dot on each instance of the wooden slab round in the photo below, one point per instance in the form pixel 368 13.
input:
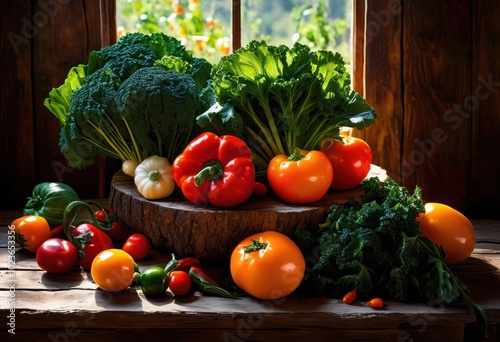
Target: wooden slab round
pixel 209 233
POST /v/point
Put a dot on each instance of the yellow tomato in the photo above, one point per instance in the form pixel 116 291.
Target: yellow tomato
pixel 267 265
pixel 31 231
pixel 113 270
pixel 450 229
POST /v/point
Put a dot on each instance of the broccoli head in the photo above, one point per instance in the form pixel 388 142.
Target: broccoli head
pixel 160 107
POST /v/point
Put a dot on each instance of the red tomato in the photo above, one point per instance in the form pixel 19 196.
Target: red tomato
pixel 300 179
pixel 57 256
pixel 450 229
pixel 116 232
pixel 351 161
pixel 31 231
pixel 267 265
pixel 137 245
pixel 94 241
pixel 179 283
pixel 113 270
pixel 260 190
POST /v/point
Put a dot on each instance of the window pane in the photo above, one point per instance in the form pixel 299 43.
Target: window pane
pixel 321 24
pixel 203 26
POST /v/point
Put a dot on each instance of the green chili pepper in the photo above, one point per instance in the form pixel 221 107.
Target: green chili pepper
pixel 206 284
pixel 153 281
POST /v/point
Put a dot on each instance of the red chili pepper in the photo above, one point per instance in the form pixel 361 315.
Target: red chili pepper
pixel 350 297
pixel 376 303
pixel 181 265
pixel 57 232
pixel 215 170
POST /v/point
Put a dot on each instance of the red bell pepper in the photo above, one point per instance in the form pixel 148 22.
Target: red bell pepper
pixel 215 170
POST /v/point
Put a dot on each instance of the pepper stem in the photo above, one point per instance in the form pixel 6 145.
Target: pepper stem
pixel 255 246
pixel 212 170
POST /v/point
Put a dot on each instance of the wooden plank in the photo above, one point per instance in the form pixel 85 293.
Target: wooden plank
pixel 358 46
pixel 436 75
pixel 16 113
pixel 55 52
pixel 481 109
pixel 242 331
pixel 382 83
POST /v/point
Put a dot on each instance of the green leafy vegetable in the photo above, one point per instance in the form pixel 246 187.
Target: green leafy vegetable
pixel 375 247
pixel 284 98
pixel 133 99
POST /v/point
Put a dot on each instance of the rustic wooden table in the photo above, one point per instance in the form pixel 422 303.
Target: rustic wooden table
pixel 41 307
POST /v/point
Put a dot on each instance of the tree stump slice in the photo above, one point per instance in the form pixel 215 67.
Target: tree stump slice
pixel 210 233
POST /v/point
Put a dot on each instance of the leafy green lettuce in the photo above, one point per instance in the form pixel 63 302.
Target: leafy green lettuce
pixel 279 98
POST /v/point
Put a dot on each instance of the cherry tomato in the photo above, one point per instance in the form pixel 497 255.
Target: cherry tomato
pixel 116 231
pixel 300 179
pixel 137 245
pixel 450 229
pixel 57 256
pixel 93 240
pixel 267 265
pixel 31 232
pixel 179 283
pixel 260 190
pixel 113 270
pixel 351 160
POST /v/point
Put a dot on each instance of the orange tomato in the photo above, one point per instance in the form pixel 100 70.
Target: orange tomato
pixel 31 232
pixel 450 229
pixel 300 179
pixel 113 270
pixel 267 265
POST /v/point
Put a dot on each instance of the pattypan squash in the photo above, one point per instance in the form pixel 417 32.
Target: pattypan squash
pixel 153 178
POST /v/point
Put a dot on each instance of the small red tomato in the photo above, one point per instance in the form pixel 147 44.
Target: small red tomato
pixel 179 283
pixel 137 245
pixel 260 190
pixel 351 160
pixel 94 241
pixel 116 231
pixel 57 256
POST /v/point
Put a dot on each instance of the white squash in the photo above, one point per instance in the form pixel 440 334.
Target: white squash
pixel 153 178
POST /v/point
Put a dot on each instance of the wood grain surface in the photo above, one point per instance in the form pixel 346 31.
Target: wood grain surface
pixel 73 308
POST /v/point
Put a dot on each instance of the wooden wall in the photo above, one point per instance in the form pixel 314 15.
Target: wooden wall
pixel 430 68
pixel 40 41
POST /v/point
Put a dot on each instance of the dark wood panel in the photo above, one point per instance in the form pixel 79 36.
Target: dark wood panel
pixel 55 50
pixel 437 76
pixel 483 195
pixel 382 82
pixel 16 116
